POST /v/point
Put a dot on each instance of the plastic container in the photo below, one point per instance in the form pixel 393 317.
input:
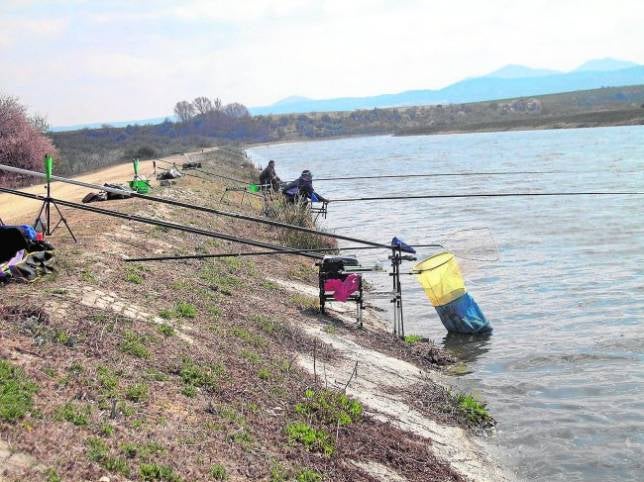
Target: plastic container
pixel 441 278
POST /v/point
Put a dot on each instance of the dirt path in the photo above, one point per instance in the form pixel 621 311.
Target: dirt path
pixel 14 209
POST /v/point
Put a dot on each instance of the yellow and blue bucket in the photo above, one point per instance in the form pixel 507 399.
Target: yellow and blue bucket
pixel 441 279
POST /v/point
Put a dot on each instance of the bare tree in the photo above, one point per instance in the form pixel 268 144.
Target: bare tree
pixel 236 110
pixel 203 105
pixel 184 110
pixel 217 104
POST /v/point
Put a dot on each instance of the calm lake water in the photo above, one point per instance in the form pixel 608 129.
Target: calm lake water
pixel 560 278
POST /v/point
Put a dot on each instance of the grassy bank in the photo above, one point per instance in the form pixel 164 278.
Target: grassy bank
pixel 195 370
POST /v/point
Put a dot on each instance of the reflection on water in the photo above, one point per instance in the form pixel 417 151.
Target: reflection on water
pixel 467 347
pixel 560 279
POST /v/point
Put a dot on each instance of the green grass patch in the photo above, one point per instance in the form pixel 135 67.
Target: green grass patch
pixel 167 314
pixel 309 475
pixel 475 411
pixel 218 472
pixel 74 413
pixel 264 374
pixel 251 356
pixel 151 472
pixel 248 336
pixel 108 380
pixel 314 440
pixel 16 392
pixel 266 324
pixel 52 476
pixel 185 310
pixel 137 392
pixel 269 285
pixel 305 302
pixel 134 274
pixel 329 407
pixel 412 339
pixel 196 376
pixel 166 330
pixel 134 344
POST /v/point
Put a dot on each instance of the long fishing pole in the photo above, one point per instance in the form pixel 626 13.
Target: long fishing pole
pixel 489 195
pixel 212 174
pixel 195 207
pixel 157 222
pixel 266 253
pixel 437 174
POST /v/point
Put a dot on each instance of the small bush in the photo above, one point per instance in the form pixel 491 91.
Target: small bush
pixel 16 392
pixel 313 440
pixel 218 472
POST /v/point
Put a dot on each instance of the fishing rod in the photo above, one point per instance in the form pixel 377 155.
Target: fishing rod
pixel 157 222
pixel 438 174
pixel 266 253
pixel 490 195
pixel 211 174
pixel 195 207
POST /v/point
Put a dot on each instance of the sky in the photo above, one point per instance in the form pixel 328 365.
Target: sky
pixel 80 61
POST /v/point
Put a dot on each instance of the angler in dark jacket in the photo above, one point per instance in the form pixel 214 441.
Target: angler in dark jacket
pixel 302 188
pixel 269 177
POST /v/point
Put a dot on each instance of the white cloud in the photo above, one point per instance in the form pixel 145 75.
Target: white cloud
pixel 135 59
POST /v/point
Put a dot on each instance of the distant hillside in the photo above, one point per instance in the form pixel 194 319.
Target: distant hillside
pixel 98 125
pixel 509 81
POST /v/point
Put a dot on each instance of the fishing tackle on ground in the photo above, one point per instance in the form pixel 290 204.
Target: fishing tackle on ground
pixel 441 279
pixel 139 183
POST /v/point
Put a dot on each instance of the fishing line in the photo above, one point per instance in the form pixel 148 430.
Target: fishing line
pixel 488 195
pixel 265 253
pixel 210 173
pixel 157 222
pixel 196 207
pixel 438 174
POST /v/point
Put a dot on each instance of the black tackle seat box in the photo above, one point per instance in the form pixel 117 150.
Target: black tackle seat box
pixel 332 266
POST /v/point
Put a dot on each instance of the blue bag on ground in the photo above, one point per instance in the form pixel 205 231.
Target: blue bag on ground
pixel 463 315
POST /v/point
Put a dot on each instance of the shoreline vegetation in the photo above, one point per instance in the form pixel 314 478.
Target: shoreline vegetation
pixel 215 370
pixel 90 149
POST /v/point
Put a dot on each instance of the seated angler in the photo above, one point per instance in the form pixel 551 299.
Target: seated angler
pixel 268 178
pixel 302 188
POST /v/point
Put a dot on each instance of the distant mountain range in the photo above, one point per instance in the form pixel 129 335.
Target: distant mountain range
pixel 506 82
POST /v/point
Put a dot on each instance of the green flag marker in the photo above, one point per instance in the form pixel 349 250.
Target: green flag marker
pixel 253 188
pixel 49 166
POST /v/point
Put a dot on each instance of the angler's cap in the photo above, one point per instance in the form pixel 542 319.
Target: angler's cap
pixel 306 174
pixel 271 161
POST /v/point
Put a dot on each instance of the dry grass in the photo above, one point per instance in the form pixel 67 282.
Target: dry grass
pixel 118 395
